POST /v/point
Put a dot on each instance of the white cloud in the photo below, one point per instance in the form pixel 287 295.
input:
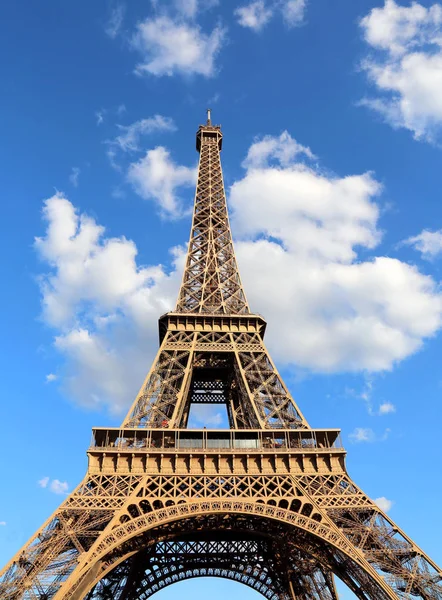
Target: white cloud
pixel 406 66
pixel 87 268
pixel 387 408
pixel 157 177
pixel 129 138
pixel 258 13
pixel 103 307
pixel 383 503
pixel 51 377
pixel 254 15
pixel 361 434
pixel 2 523
pixel 115 21
pixel 95 367
pixel 54 485
pixel 58 487
pixel 169 47
pixel 428 243
pixel 73 177
pixel 300 231
pixel 397 28
pixel 293 12
pixel 283 149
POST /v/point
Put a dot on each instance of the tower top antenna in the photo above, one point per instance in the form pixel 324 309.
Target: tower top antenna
pixel 209 118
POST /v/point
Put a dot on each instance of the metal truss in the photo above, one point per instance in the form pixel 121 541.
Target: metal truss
pixel 251 562
pixel 236 364
pixel 111 518
pixel 268 503
pixel 211 281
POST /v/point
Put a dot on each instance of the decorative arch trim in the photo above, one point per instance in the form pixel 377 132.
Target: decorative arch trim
pixel 135 527
pixel 138 525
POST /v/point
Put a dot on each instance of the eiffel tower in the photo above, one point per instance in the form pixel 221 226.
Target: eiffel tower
pixel 267 502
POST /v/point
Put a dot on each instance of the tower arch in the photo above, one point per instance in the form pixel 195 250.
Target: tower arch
pixel 298 542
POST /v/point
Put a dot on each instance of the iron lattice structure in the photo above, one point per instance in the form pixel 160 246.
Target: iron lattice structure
pixel 268 502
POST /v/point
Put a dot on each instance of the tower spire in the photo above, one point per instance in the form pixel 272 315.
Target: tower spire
pixel 212 348
pixel 211 281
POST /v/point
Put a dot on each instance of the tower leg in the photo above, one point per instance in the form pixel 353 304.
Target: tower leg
pixel 319 585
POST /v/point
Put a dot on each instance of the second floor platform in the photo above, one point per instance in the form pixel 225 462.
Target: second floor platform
pixel 133 451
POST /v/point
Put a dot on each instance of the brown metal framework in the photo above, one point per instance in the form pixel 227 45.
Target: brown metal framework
pixel 268 502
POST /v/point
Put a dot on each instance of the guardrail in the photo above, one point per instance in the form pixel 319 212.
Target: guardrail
pixel 215 440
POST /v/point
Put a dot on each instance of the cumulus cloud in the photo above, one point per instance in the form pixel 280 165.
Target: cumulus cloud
pixel 95 366
pixel 254 15
pixel 293 12
pixel 428 243
pixel 101 304
pixel 2 523
pixel 365 434
pixel 361 434
pixel 383 503
pixel 272 149
pixel 129 138
pixel 170 47
pixel 406 66
pixel 54 485
pixel 300 232
pixel 387 408
pixel 58 487
pixel 86 268
pixel 157 177
pixel 51 377
pixel 258 13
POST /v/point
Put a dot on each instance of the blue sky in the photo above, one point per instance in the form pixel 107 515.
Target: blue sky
pixel 331 114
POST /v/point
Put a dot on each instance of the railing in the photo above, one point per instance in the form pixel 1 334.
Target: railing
pixel 215 440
